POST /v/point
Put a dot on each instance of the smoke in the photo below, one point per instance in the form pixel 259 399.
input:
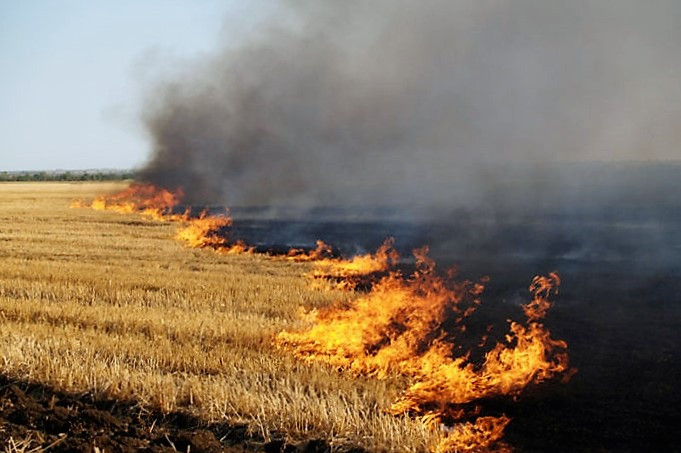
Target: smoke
pixel 426 103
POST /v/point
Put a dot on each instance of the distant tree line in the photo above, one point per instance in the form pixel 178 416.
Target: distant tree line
pixel 82 175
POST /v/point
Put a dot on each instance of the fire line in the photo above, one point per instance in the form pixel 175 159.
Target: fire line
pixel 406 325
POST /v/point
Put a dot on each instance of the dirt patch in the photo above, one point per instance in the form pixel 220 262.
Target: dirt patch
pixel 33 415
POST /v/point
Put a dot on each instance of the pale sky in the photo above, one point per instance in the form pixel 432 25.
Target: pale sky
pixel 74 73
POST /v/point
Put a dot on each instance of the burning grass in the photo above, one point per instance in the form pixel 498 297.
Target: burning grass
pixel 411 327
pixel 125 313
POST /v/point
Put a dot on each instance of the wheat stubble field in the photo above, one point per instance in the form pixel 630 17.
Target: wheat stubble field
pixel 99 308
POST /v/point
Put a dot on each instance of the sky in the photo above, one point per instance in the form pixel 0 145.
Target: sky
pixel 74 73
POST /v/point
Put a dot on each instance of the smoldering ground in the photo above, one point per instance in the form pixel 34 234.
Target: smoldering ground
pixel 417 103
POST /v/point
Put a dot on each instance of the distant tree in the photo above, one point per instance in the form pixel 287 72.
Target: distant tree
pixel 68 175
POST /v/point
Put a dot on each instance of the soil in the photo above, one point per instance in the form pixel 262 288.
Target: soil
pixel 62 422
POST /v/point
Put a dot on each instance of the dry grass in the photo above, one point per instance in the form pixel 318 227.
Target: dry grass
pixel 109 304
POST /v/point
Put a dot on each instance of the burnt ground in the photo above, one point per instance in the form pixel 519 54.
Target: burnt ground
pixel 64 422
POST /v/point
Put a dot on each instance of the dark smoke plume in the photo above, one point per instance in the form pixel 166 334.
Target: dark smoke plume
pixel 419 102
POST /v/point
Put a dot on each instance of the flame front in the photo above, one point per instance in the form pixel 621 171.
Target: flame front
pixel 145 199
pixel 321 252
pixel 351 273
pixel 204 231
pixel 157 203
pixel 481 435
pixel 207 231
pixel 410 327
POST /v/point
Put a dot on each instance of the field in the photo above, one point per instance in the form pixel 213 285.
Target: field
pixel 117 337
pixel 105 314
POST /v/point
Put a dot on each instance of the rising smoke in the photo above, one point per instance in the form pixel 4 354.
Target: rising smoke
pixel 418 102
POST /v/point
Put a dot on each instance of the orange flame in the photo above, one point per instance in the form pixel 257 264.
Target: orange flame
pixel 410 327
pixel 205 231
pixel 482 435
pixel 148 200
pixel 405 326
pixel 349 273
pixel 321 252
pixel 145 199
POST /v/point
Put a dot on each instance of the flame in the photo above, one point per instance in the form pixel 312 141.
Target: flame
pixel 206 231
pixel 482 435
pixel 387 327
pixel 142 198
pixel 349 273
pixel 157 203
pixel 321 252
pixel 410 326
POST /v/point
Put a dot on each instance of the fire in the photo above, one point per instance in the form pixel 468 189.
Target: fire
pixel 482 435
pixel 157 203
pixel 206 231
pixel 321 252
pixel 140 198
pixel 386 328
pixel 348 273
pixel 410 326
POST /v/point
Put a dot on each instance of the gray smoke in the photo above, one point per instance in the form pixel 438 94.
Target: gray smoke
pixel 418 102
